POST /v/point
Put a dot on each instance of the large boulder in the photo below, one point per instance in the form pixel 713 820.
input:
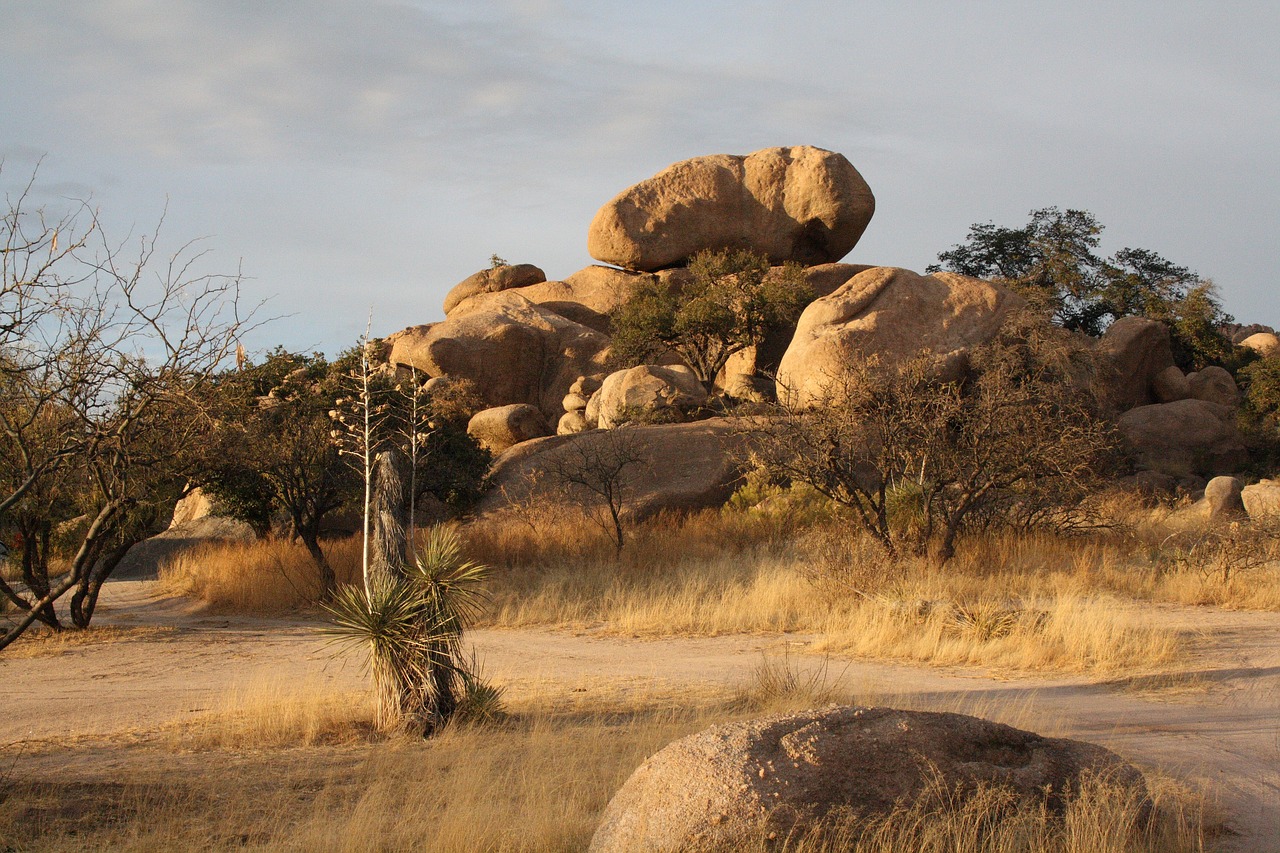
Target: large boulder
pixel 493 280
pixel 501 427
pixel 790 204
pixel 648 392
pixel 513 350
pixel 588 296
pixel 725 788
pixel 683 466
pixel 1215 385
pixel 197 504
pixel 892 314
pixel 1134 351
pixel 1184 437
pixel 1262 498
pixel 1265 344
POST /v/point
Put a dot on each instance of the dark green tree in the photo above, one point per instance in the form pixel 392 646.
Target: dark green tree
pixel 732 302
pixel 1053 261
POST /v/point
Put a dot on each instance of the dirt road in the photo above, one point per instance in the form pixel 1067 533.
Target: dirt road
pixel 1218 724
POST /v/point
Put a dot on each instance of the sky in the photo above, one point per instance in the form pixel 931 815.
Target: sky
pixel 351 157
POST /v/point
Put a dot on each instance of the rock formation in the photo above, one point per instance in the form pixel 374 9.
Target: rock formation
pixel 790 204
pixel 892 314
pixel 686 466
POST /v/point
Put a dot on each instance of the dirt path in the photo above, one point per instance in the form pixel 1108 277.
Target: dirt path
pixel 1218 724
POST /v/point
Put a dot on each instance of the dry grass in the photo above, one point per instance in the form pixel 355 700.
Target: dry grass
pixel 1019 601
pixel 269 576
pixel 269 715
pixel 39 641
pixel 537 782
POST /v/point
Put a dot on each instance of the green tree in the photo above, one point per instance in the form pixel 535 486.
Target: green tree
pixel 732 302
pixel 1053 261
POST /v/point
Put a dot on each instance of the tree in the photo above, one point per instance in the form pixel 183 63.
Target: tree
pixel 276 452
pixel 598 468
pixel 103 357
pixel 1019 423
pixel 731 302
pixel 1054 263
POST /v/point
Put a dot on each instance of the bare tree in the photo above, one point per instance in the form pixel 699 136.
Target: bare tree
pixel 598 468
pixel 1019 424
pixel 103 353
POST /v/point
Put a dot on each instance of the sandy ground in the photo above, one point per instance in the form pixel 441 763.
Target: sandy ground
pixel 1218 724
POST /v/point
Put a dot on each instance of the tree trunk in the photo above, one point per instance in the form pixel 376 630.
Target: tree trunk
pixel 85 599
pixel 310 536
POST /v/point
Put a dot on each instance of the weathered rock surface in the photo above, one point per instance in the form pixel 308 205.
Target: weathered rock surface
pixel 1184 437
pixel 1262 498
pixel 684 466
pixel 195 506
pixel 501 427
pixel 648 390
pixel 717 790
pixel 790 204
pixel 493 281
pixel 587 296
pixel 1264 344
pixel 1215 385
pixel 893 314
pixel 1135 350
pixel 514 351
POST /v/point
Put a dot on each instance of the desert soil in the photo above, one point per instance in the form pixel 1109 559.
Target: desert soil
pixel 72 714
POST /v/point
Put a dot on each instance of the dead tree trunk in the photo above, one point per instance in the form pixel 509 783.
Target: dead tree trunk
pixel 389 514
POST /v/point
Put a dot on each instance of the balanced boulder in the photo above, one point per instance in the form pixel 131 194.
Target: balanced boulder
pixel 649 392
pixel 1170 384
pixel 501 427
pixel 891 314
pixel 499 278
pixel 732 785
pixel 1215 385
pixel 790 204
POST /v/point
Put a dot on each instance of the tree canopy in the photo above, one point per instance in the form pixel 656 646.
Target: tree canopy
pixel 731 302
pixel 1054 262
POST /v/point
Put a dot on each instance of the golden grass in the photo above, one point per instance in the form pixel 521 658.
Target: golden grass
pixel 268 576
pixel 537 782
pixel 1013 600
pixel 270 715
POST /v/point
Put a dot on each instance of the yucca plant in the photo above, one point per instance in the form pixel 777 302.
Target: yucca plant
pixel 412 626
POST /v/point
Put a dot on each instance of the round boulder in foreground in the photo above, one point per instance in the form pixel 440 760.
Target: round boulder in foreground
pixel 716 790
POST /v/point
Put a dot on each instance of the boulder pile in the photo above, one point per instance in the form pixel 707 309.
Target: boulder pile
pixel 538 350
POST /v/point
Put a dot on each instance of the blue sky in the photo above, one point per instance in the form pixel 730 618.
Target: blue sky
pixel 350 155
